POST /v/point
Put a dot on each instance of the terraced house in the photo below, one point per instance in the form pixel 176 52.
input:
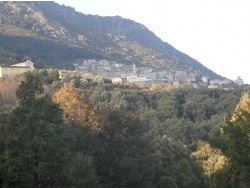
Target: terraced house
pixel 8 71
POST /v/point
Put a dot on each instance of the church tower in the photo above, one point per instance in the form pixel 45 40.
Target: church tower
pixel 134 69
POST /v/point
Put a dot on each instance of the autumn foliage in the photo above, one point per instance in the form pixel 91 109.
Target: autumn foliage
pixel 76 109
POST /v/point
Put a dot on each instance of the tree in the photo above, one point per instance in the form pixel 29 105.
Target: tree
pixel 37 151
pixel 210 159
pixel 173 166
pixel 54 74
pixel 236 132
pixel 82 172
pixel 80 119
pixel 124 153
pixel 5 110
pixel 76 109
pixel 236 138
pixel 7 90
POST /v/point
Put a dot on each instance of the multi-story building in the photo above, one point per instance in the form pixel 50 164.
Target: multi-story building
pixel 8 71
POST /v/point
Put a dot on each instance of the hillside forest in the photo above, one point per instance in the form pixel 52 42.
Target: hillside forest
pixel 84 131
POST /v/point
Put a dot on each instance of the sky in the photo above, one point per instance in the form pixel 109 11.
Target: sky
pixel 215 33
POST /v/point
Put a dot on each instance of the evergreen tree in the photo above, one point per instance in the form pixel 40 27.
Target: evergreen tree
pixel 36 151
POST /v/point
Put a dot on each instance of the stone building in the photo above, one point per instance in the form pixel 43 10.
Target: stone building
pixel 8 71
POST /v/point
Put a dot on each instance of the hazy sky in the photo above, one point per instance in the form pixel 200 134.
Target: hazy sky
pixel 216 33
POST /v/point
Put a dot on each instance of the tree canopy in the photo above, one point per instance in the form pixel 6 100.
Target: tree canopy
pixel 36 152
pixel 91 133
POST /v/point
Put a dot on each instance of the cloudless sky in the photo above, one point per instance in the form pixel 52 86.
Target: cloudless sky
pixel 214 32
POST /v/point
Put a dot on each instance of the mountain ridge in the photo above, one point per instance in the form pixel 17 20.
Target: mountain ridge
pixel 111 38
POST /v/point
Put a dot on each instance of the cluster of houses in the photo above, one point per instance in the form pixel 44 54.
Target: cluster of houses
pixel 119 73
pixel 213 84
pixel 130 73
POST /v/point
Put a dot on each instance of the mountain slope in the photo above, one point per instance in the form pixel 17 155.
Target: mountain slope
pixel 70 35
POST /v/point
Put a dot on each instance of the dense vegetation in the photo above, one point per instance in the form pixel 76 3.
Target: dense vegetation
pixel 85 132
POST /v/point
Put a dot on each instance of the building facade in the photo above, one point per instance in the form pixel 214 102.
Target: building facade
pixel 8 71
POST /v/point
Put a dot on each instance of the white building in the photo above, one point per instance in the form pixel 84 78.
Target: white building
pixel 213 86
pixel 8 71
pixel 135 78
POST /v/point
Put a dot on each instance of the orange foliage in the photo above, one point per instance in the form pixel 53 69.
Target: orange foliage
pixel 8 89
pixel 76 110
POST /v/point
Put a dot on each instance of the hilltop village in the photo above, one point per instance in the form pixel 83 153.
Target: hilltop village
pixel 120 73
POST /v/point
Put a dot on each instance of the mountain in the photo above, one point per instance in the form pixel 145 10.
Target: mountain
pixel 58 35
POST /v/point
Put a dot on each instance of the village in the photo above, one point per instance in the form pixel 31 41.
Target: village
pixel 120 73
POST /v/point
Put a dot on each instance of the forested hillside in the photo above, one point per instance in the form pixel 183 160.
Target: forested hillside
pixel 83 131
